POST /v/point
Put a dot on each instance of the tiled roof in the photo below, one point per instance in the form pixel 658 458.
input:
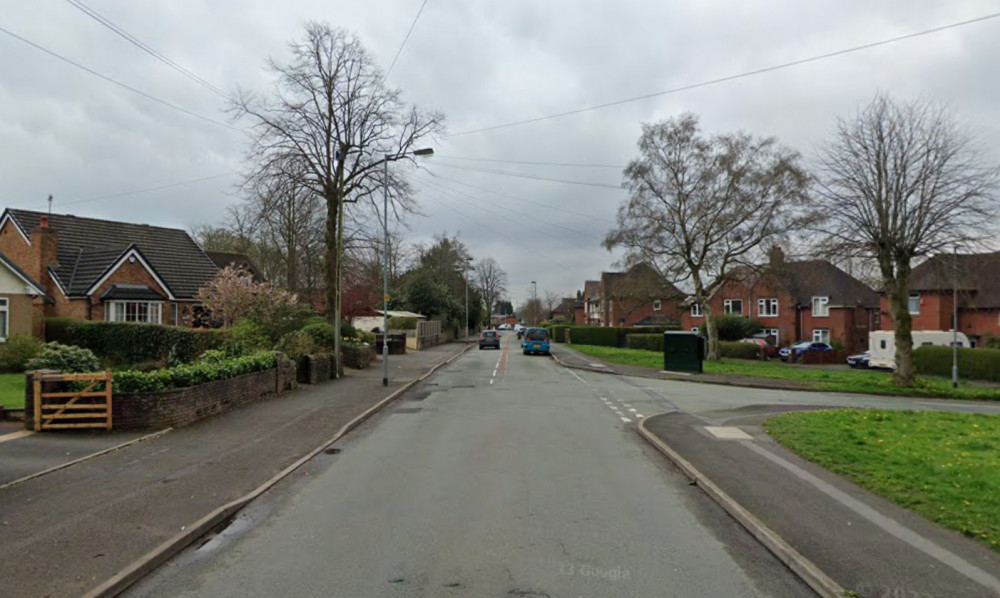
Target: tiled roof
pixel 640 280
pixel 978 273
pixel 87 247
pixel 591 290
pixel 239 260
pixel 811 278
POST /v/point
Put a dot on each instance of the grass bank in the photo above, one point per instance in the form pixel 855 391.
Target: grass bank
pixel 835 380
pixel 12 391
pixel 945 466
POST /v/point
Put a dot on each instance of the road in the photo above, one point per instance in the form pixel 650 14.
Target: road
pixel 503 475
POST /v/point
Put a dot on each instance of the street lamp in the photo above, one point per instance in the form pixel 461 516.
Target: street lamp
pixel 534 305
pixel 954 317
pixel 385 262
pixel 465 274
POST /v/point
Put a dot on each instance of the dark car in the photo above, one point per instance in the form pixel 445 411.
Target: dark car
pixel 536 340
pixel 770 351
pixel 803 347
pixel 861 360
pixel 489 338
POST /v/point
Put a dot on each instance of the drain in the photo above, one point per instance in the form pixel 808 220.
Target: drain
pixel 332 451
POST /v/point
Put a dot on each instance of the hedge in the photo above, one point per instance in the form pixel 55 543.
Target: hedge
pixel 646 342
pixel 127 381
pixel 738 350
pixel 129 342
pixel 610 336
pixel 976 364
pixel 557 332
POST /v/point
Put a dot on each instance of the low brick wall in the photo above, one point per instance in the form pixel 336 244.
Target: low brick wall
pixel 182 406
pixel 313 369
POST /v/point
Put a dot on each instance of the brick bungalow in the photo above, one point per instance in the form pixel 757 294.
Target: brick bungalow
pixel 797 300
pixel 104 270
pixel 592 303
pixel 932 284
pixel 638 297
pixel 21 301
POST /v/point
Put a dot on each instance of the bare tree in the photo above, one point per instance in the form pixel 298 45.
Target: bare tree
pixel 700 205
pixel 531 311
pixel 550 300
pixel 331 113
pixel 492 282
pixel 901 181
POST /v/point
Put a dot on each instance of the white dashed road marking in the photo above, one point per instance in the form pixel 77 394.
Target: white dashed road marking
pixel 626 420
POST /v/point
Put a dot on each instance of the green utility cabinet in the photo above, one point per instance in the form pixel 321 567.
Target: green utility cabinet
pixel 683 351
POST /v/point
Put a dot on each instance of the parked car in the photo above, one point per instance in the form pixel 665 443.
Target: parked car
pixel 803 347
pixel 861 360
pixel 770 351
pixel 504 327
pixel 536 340
pixel 489 338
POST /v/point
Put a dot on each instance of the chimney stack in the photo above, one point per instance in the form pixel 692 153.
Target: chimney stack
pixel 776 256
pixel 45 251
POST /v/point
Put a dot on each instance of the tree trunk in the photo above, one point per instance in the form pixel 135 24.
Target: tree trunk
pixel 330 265
pixel 713 333
pixel 338 296
pixel 902 323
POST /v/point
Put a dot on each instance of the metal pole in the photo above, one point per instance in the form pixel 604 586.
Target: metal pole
pixel 534 302
pixel 954 318
pixel 385 276
pixel 466 302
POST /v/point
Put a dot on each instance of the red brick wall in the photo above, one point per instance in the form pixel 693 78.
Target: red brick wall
pixel 13 246
pixel 978 324
pixel 635 310
pixel 183 406
pixel 580 315
pixel 935 312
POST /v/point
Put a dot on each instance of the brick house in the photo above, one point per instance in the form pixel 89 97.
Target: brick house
pixel 638 297
pixel 592 303
pixel 21 301
pixel 796 300
pixel 568 309
pixel 104 270
pixel 932 284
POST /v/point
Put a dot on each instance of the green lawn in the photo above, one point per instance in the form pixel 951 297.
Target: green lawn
pixel 945 466
pixel 12 391
pixel 841 380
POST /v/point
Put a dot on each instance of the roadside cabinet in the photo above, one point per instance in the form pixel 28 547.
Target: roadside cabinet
pixel 683 351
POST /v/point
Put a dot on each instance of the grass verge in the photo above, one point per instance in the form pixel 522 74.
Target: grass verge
pixel 945 466
pixel 12 391
pixel 835 380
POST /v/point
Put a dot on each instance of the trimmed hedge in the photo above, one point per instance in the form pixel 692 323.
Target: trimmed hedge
pixel 128 381
pixel 645 342
pixel 128 342
pixel 610 336
pixel 557 332
pixel 976 364
pixel 739 350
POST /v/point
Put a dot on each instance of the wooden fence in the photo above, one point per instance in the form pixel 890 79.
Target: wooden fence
pixel 72 409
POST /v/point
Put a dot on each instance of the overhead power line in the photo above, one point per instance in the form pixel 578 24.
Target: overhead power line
pixel 119 83
pixel 93 14
pixel 734 77
pixel 405 39
pixel 534 163
pixel 148 189
pixel 521 175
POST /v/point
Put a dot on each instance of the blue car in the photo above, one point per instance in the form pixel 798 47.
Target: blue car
pixel 536 340
pixel 803 347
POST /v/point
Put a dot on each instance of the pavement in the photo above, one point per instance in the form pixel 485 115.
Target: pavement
pixel 502 475
pixel 65 532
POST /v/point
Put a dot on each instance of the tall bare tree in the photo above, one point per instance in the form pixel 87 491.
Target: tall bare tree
pixel 901 181
pixel 550 300
pixel 331 112
pixel 700 205
pixel 492 282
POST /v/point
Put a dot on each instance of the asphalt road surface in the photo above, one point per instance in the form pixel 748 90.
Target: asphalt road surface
pixel 503 475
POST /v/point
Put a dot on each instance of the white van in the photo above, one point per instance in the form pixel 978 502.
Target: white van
pixel 882 344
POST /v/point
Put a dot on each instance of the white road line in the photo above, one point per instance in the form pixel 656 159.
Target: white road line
pixel 632 410
pixel 638 415
pixel 626 420
pixel 626 405
pixel 578 378
pixel 491 381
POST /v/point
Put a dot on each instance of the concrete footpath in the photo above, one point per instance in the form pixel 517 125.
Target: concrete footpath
pixel 833 533
pixel 63 533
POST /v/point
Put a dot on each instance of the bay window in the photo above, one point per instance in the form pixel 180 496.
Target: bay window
pixel 150 312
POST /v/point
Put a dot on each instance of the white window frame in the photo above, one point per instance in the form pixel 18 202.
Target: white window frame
pixel 821 307
pixel 775 332
pixel 694 329
pixel 727 306
pixel 913 301
pixel 696 311
pixel 657 305
pixel 154 311
pixel 821 335
pixel 4 318
pixel 767 307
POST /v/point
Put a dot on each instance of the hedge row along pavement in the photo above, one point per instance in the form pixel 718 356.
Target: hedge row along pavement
pixel 976 364
pixel 200 372
pixel 654 342
pixel 608 336
pixel 129 342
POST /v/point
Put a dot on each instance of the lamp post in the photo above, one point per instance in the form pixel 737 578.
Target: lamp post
pixel 385 260
pixel 534 304
pixel 954 318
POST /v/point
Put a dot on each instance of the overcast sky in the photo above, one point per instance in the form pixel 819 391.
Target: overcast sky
pixel 84 140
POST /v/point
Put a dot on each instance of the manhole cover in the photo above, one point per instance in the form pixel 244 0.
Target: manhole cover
pixel 332 451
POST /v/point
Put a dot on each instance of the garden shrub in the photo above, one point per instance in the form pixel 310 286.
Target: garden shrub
pixel 347 330
pixel 647 342
pixel 246 337
pixel 739 350
pixel 296 344
pixel 132 342
pixel 399 323
pixel 976 364
pixel 17 351
pixel 65 358
pixel 322 334
pixel 200 372
pixel 732 327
